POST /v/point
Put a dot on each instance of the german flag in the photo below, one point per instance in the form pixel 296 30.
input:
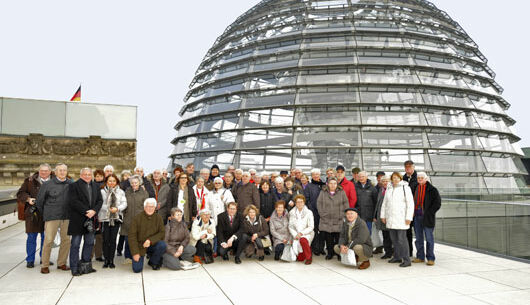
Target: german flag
pixel 77 95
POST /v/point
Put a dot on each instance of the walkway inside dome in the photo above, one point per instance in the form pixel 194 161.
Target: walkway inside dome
pixel 459 277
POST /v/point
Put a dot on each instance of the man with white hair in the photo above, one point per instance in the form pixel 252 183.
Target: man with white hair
pixel 252 175
pixel 52 204
pixel 265 176
pixel 108 170
pixel 85 201
pixel 366 198
pixel 427 202
pixel 145 183
pixel 237 175
pixel 246 193
pixel 315 178
pixel 205 174
pixel 146 236
pixel 26 196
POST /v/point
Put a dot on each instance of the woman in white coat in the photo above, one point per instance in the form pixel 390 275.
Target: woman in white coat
pixel 397 212
pixel 216 202
pixel 301 227
pixel 202 235
pixel 111 216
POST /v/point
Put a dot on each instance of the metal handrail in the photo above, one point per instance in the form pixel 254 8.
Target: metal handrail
pixel 490 202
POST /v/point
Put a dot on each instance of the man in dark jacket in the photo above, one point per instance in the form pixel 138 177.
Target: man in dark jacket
pixel 311 193
pixel 85 201
pixel 52 204
pixel 228 235
pixel 146 236
pixel 411 177
pixel 246 193
pixel 366 198
pixel 26 196
pixel 355 235
pixel 315 178
pixel 427 202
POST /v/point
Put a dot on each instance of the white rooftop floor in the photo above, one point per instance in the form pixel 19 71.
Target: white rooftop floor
pixel 459 277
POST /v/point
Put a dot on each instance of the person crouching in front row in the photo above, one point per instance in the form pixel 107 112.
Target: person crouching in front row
pixel 146 236
pixel 355 235
pixel 202 237
pixel 179 252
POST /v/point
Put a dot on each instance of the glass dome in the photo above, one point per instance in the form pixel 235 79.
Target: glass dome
pixel 368 84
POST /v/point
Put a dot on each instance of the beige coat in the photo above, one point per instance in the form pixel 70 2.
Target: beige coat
pixel 331 209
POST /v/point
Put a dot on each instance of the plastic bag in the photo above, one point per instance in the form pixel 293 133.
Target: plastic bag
pixel 348 258
pixel 290 252
pixel 377 237
pixel 57 239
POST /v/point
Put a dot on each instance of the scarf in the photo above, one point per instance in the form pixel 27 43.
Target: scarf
pixel 201 197
pixel 112 203
pixel 419 197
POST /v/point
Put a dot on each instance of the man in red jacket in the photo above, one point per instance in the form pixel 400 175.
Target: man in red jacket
pixel 347 186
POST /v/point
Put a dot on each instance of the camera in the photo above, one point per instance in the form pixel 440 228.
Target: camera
pixel 32 209
pixel 89 225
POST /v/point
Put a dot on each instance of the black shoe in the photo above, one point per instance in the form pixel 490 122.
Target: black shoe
pixel 277 256
pixel 76 272
pixel 30 264
pixel 405 264
pixel 378 250
pixel 225 257
pixel 237 260
pixel 394 261
pixel 208 259
pixel 329 256
pixel 323 252
pixel 316 253
pixel 51 263
pixel 99 259
pixel 155 267
pixel 338 257
pixel 386 256
pixel 106 264
pixel 267 251
pixel 118 254
pixel 111 265
pixel 261 258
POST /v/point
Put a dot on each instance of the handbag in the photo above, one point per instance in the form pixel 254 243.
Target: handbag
pixel 348 259
pixel 266 241
pixel 289 254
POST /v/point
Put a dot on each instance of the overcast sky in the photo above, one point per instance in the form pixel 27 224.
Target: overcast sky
pixel 145 53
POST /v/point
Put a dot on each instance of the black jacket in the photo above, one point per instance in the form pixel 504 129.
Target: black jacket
pixel 320 184
pixel 80 203
pixel 431 205
pixel 191 201
pixel 149 187
pixel 52 201
pixel 224 230
pixel 412 180
pixel 266 203
pixel 311 193
pixel 366 200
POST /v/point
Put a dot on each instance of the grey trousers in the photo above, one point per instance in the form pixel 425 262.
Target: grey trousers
pixel 173 263
pixel 401 244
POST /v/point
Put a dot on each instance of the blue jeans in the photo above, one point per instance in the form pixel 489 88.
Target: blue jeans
pixel 369 225
pixel 155 253
pixel 31 246
pixel 127 251
pixel 86 253
pixel 419 230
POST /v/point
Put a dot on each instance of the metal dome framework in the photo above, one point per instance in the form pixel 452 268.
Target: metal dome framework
pixel 365 84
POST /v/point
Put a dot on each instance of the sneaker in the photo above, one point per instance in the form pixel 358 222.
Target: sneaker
pixel 127 261
pixel 189 266
pixel 430 263
pixel 417 260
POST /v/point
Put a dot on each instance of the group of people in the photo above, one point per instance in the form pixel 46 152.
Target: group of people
pixel 181 221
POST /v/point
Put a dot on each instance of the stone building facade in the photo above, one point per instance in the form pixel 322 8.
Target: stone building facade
pixel 20 156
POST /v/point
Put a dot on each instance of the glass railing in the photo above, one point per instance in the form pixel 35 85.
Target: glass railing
pixel 8 203
pixel 493 226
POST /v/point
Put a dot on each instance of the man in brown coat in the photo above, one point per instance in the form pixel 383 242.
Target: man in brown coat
pixel 26 196
pixel 146 236
pixel 246 193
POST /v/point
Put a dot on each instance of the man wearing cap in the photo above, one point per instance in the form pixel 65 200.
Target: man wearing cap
pixel 347 186
pixel 284 174
pixel 355 235
pixel 378 176
pixel 355 174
